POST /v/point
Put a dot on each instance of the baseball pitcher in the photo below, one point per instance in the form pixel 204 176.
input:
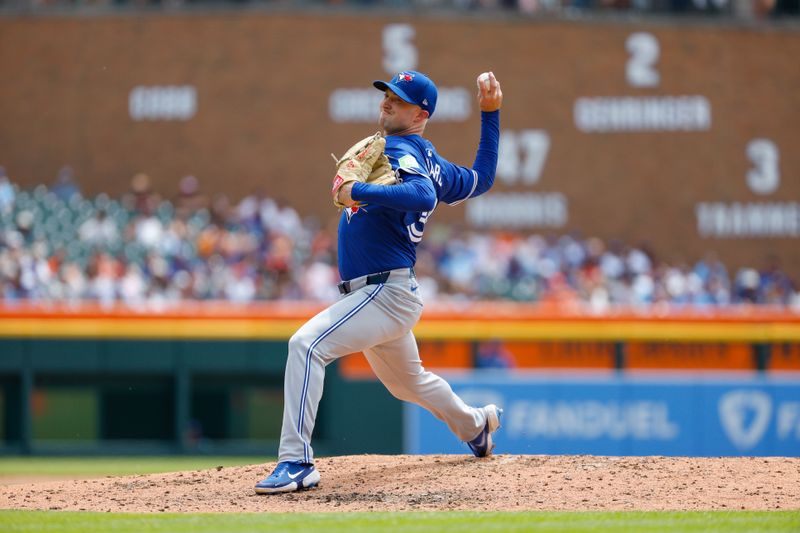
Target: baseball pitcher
pixel 388 187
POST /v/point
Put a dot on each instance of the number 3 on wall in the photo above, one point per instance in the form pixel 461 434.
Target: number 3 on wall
pixel 764 176
pixel 641 68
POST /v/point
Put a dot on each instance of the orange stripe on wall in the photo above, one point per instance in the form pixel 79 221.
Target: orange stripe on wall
pixel 560 354
pixel 695 356
pixel 565 330
pixel 435 355
pixel 784 356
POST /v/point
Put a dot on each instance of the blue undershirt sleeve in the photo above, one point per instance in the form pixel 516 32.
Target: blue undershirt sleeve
pixel 486 159
pixel 412 195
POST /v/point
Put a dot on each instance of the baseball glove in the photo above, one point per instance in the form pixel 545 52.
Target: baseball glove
pixel 364 162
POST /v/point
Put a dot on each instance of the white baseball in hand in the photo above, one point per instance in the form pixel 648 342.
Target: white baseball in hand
pixel 484 82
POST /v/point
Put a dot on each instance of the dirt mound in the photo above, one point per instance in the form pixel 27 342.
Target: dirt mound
pixel 443 482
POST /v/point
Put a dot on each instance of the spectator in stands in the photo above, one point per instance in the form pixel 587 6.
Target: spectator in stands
pixel 746 288
pixel 99 230
pixel 7 193
pixel 713 276
pixel 319 280
pixel 140 198
pixel 248 212
pixel 239 284
pixel 132 285
pixel 75 282
pixel 11 286
pixel 147 230
pixel 137 251
pixel 189 198
pixel 221 211
pixel 103 274
pixel 775 287
pixel 493 354
pixel 66 184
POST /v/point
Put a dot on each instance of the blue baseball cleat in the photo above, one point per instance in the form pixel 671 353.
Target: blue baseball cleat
pixel 289 476
pixel 482 445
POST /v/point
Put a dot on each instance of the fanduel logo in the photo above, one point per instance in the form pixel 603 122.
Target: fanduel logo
pixel 745 415
pixel 591 419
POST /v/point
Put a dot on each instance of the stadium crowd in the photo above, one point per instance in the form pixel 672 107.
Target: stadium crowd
pixel 741 9
pixel 57 245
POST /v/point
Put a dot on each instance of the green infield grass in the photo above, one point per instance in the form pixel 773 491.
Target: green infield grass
pixel 678 522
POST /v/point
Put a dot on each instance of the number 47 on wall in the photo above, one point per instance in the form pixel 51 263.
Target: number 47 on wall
pixel 522 155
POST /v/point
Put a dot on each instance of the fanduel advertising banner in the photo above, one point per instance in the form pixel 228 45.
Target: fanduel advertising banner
pixel 624 416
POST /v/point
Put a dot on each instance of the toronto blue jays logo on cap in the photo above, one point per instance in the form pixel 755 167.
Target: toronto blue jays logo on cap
pixel 413 87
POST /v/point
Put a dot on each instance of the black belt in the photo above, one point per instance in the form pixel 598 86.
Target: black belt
pixel 345 287
pixel 372 279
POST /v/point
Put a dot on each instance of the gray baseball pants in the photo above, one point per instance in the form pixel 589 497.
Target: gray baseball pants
pixel 376 320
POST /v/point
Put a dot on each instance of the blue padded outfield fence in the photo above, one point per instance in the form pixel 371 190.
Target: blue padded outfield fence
pixel 697 415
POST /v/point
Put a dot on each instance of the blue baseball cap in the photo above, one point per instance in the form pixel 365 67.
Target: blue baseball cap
pixel 413 87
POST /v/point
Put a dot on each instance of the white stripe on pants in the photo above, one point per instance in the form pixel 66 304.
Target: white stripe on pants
pixel 375 319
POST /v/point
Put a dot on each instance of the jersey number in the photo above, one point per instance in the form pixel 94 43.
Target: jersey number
pixel 414 232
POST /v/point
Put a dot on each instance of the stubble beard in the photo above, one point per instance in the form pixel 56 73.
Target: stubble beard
pixel 389 127
pixel 385 123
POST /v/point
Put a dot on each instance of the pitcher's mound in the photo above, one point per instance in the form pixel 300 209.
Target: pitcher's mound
pixel 443 482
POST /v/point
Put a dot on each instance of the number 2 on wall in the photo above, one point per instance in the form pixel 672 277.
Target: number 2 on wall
pixel 641 68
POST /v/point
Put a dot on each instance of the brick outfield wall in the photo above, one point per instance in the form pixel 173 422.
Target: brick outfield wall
pixel 698 110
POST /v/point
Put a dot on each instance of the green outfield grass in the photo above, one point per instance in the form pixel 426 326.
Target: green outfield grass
pixel 115 466
pixel 724 521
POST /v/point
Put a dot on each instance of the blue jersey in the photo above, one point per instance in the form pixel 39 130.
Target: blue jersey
pixel 384 232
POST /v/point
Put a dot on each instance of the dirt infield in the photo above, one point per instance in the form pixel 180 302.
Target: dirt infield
pixel 443 482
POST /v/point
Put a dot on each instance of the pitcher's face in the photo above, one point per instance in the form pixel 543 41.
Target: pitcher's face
pixel 398 116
